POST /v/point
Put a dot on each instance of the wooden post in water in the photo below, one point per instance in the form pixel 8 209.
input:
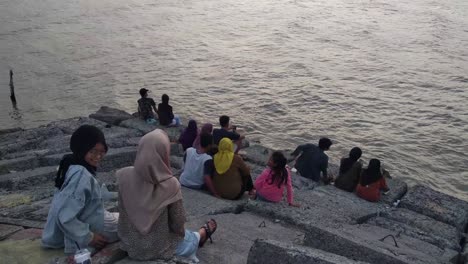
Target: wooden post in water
pixel 12 89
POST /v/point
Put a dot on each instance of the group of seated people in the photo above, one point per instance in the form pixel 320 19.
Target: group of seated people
pixel 312 163
pixel 151 218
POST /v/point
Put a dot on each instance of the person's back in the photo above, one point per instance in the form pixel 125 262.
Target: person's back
pixel 146 106
pixel 350 171
pixel 194 166
pixel 371 182
pixel 311 162
pixel 165 111
pixel 231 177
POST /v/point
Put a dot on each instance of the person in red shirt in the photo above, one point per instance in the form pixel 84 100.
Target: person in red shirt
pixel 372 182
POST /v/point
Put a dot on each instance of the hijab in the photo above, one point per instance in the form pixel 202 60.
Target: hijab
pixel 206 129
pixel 82 141
pixel 347 163
pixel 372 173
pixel 223 159
pixel 189 134
pixel 148 187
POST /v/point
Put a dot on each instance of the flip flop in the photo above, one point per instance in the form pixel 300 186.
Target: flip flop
pixel 209 231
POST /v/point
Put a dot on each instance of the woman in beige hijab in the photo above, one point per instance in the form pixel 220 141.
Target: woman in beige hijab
pixel 152 216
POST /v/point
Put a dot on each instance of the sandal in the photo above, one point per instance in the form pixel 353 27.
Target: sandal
pixel 209 232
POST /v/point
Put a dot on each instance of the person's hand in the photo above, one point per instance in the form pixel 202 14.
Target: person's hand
pixel 98 241
pixel 294 205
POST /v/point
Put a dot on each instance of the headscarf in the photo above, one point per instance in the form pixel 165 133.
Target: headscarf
pixel 372 173
pixel 223 159
pixel 148 187
pixel 347 163
pixel 188 135
pixel 82 141
pixel 206 129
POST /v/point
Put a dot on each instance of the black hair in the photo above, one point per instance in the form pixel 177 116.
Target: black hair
pixel 280 174
pixel 223 120
pixel 143 92
pixel 347 163
pixel 206 140
pixel 372 173
pixel 165 99
pixel 325 143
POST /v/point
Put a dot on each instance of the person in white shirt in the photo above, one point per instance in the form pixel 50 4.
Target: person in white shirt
pixel 197 164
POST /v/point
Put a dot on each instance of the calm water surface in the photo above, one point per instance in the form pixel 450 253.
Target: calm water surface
pixel 388 76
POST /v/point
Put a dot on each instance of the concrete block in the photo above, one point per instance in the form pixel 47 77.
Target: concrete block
pixel 10 130
pixel 29 233
pixel 110 115
pixel 270 251
pixel 177 150
pixel 21 222
pixel 440 206
pixel 7 230
pixel 18 164
pixel 420 227
pixel 236 234
pixel 118 158
pixel 14 199
pixel 365 243
pixel 24 179
pixel 177 162
pixel 398 189
pixel 27 252
pixel 259 154
pixel 197 203
pixel 138 124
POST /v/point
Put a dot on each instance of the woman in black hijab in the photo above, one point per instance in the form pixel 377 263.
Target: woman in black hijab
pixel 77 218
pixel 372 182
pixel 350 170
pixel 85 139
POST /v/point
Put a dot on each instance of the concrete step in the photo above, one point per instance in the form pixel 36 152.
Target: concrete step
pixel 270 251
pixel 23 179
pixel 437 205
pixel 375 245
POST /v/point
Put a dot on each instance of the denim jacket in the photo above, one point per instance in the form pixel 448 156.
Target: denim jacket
pixel 76 211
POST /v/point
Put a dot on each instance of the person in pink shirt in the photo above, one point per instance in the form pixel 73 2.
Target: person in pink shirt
pixel 270 184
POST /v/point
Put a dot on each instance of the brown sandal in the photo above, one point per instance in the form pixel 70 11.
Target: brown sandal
pixel 209 232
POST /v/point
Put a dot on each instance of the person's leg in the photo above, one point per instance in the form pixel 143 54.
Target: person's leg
pixel 111 221
pixel 189 246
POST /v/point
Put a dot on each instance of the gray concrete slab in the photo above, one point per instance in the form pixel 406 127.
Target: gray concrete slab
pixel 364 243
pixel 23 179
pixel 440 206
pixel 198 203
pixel 270 251
pixel 419 226
pixel 7 230
pixel 18 164
pixel 140 125
pixel 110 115
pixel 236 234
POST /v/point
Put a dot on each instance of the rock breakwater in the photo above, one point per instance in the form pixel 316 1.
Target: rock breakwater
pixel 331 226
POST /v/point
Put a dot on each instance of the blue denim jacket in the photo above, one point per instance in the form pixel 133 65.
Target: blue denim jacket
pixel 76 211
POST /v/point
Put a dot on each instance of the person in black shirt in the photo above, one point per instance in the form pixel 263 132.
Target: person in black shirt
pixel 227 131
pixel 312 162
pixel 166 116
pixel 146 106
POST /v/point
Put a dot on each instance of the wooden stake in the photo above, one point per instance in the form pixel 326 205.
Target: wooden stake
pixel 12 89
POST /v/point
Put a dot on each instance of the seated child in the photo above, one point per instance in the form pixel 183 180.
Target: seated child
pixel 270 184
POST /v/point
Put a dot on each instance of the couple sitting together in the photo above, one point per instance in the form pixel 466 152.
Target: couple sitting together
pixel 151 221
